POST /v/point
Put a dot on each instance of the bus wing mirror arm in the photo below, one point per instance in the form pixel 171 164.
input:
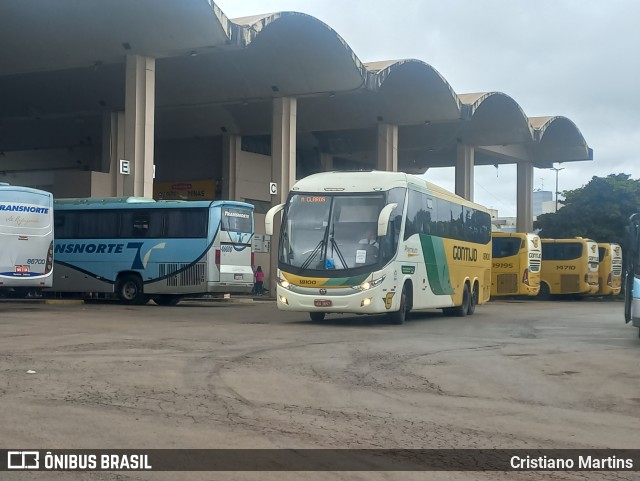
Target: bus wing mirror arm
pixel 383 218
pixel 268 220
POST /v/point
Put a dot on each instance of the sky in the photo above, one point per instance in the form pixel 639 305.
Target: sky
pixel 574 58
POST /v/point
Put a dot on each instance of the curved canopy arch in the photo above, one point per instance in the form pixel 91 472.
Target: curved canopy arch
pixel 494 118
pixel 278 47
pixel 411 91
pixel 559 140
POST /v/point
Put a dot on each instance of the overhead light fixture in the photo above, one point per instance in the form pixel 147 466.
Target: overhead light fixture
pixel 331 95
pixel 193 53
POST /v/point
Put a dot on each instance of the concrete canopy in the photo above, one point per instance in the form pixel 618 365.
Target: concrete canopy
pixel 215 75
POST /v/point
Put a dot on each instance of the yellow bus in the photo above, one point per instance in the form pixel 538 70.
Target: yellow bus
pixel 609 269
pixel 380 242
pixel 516 260
pixel 569 266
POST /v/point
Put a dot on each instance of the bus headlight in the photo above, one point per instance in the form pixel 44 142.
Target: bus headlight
pixel 284 300
pixel 365 302
pixel 366 285
pixel 283 283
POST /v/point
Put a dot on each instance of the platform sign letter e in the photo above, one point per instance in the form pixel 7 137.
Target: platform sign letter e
pixel 23 459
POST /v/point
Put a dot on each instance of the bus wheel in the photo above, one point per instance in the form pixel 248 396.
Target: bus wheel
pixel 462 310
pixel 399 316
pixel 317 316
pixel 544 292
pixel 129 290
pixel 167 300
pixel 473 300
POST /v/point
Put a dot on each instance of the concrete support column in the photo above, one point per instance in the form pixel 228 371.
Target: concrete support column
pixel 231 146
pixel 283 166
pixel 326 162
pixel 387 159
pixel 524 221
pixel 465 157
pixel 139 124
pixel 113 150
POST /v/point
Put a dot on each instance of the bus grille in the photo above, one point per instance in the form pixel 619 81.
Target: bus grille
pixel 191 276
pixel 534 265
pixel 507 283
pixel 616 270
pixel 569 283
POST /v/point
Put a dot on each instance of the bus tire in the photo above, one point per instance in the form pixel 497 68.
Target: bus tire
pixel 463 309
pixel 167 300
pixel 473 299
pixel 400 315
pixel 316 316
pixel 129 290
pixel 544 293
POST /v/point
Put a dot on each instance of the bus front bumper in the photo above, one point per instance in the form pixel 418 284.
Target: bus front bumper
pixel 373 301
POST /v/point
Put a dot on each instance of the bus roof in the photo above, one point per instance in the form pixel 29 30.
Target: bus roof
pixel 372 181
pixel 520 235
pixel 5 187
pixel 569 239
pixel 140 203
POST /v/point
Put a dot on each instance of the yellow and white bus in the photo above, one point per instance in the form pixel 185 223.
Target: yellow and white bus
pixel 380 242
pixel 569 266
pixel 516 261
pixel 609 269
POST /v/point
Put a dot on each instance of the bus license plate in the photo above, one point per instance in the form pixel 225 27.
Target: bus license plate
pixel 237 277
pixel 322 303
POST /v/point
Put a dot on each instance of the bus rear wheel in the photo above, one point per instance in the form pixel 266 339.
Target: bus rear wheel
pixel 462 310
pixel 316 316
pixel 129 290
pixel 473 300
pixel 167 300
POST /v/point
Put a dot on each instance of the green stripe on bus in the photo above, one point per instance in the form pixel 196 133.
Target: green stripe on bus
pixel 346 281
pixel 435 260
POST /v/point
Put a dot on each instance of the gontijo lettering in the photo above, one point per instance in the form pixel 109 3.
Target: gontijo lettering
pixel 24 208
pixel 465 253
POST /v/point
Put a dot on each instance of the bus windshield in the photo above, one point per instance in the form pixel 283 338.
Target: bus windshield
pixel 332 232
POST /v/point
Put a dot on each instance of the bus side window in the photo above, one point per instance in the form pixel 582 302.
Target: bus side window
pixel 140 224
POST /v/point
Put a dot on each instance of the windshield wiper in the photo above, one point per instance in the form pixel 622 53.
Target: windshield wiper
pixel 313 254
pixel 334 245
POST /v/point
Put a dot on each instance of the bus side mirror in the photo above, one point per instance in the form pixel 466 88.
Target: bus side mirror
pixel 383 219
pixel 268 220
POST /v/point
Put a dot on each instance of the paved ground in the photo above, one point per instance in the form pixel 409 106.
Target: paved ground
pixel 219 375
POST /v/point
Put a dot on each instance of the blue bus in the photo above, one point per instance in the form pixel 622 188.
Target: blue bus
pixel 632 273
pixel 26 239
pixel 140 249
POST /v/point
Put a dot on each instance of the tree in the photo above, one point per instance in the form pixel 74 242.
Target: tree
pixel 599 210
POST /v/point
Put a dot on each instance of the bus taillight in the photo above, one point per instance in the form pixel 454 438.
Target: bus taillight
pixel 49 264
pixel 217 257
pixel 609 279
pixel 253 259
pixel 525 277
pixel 586 278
